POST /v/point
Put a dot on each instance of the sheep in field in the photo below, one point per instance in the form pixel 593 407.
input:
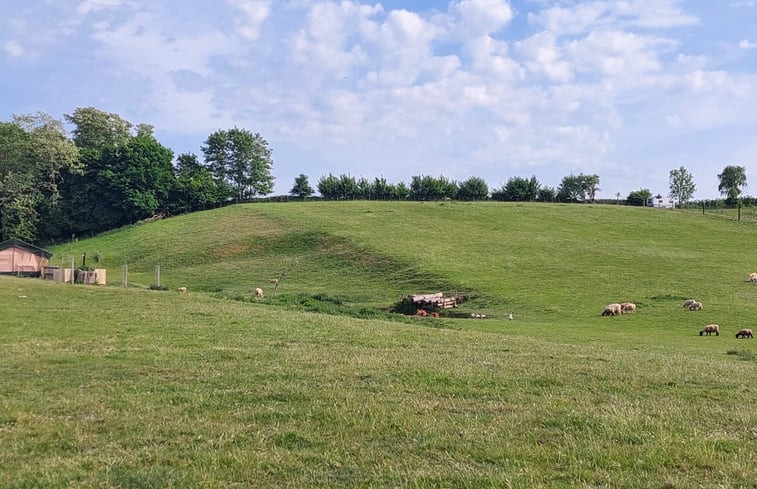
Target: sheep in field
pixel 688 303
pixel 744 333
pixel 695 306
pixel 709 329
pixel 612 310
pixel 258 292
pixel 628 307
pixel 752 277
pixel 182 290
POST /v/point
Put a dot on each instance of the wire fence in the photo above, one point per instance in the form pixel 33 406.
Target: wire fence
pixel 718 209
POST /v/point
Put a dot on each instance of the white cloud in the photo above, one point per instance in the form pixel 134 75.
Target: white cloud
pixel 482 16
pixel 88 6
pixel 616 53
pixel 13 49
pixel 545 57
pixel 255 13
pixel 603 14
pixel 363 88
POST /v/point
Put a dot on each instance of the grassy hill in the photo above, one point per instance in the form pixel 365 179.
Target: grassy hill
pixel 545 263
pixel 112 387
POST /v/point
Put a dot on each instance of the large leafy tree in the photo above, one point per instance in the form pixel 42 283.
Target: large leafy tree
pixel 474 188
pixel 96 130
pixel 578 188
pixel 682 185
pixel 571 189
pixel 127 175
pixel 590 185
pixel 639 197
pixel 381 189
pixel 195 187
pixel 139 176
pixel 424 187
pixel 241 159
pixel 301 187
pixel 732 183
pixel 518 189
pixel 34 151
pixel 328 187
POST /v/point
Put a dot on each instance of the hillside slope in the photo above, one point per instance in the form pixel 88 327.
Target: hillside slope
pixel 545 263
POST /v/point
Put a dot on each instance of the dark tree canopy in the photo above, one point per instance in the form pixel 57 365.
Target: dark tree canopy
pixel 732 183
pixel 639 197
pixel 301 187
pixel 195 187
pixel 424 187
pixel 473 188
pixel 518 189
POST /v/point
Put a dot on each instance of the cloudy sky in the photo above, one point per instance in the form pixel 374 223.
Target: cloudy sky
pixel 626 89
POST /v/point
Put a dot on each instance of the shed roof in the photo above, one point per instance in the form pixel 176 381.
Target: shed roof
pixel 25 246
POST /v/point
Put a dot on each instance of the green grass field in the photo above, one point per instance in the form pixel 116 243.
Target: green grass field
pixel 135 388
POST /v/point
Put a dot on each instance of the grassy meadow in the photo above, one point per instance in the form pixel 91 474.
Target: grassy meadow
pixel 320 385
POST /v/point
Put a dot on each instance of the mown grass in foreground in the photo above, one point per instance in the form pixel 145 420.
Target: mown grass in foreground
pixel 135 388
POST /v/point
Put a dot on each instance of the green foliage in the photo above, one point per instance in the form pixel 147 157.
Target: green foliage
pixel 34 153
pixel 732 183
pixel 424 187
pixel 546 194
pixel 120 185
pixel 96 130
pixel 682 185
pixel 301 187
pixel 518 189
pixel 241 159
pixel 578 188
pixel 344 187
pixel 639 197
pixel 474 188
pixel 195 188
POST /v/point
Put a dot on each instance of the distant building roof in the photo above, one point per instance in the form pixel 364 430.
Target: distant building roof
pixel 25 246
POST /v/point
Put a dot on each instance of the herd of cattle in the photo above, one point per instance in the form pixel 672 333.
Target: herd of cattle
pixel 617 309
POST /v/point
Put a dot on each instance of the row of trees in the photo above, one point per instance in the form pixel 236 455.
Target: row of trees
pixel 109 173
pixel 574 188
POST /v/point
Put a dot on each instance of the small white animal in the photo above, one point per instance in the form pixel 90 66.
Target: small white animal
pixel 258 292
pixel 510 316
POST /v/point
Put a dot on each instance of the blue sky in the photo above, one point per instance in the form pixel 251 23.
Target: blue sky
pixel 626 89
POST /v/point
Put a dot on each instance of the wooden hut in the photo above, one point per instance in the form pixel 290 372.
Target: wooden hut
pixel 21 258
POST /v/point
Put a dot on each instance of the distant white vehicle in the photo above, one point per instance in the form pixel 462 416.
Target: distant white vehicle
pixel 661 202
